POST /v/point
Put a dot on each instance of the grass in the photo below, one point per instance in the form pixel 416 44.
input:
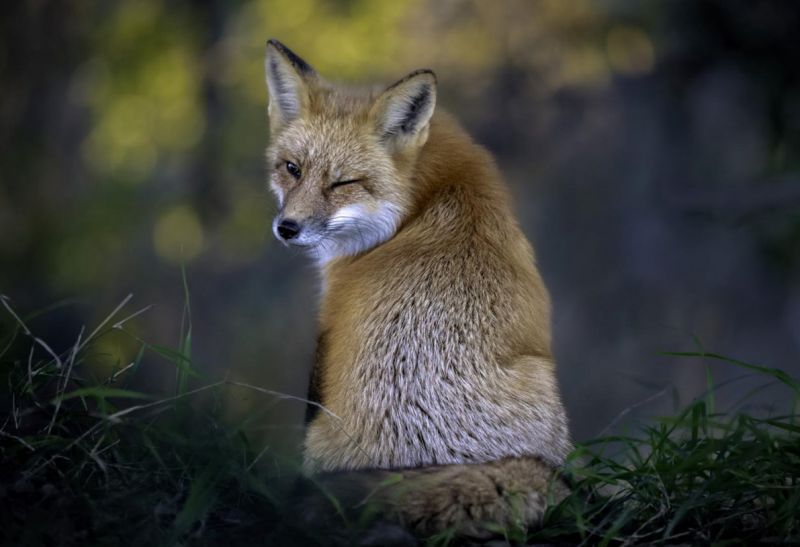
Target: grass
pixel 89 461
pixel 696 478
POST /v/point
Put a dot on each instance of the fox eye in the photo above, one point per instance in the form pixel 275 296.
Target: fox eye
pixel 339 183
pixel 293 169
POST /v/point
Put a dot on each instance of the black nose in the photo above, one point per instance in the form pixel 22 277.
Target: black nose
pixel 288 229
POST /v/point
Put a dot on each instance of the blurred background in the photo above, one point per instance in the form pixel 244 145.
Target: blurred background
pixel 652 147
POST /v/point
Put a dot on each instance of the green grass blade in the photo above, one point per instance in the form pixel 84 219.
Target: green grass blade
pixel 100 392
pixel 776 373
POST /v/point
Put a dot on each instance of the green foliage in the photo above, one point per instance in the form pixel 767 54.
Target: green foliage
pixel 698 477
pixel 87 462
pixel 92 461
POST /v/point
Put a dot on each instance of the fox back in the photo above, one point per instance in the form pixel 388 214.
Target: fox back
pixel 434 346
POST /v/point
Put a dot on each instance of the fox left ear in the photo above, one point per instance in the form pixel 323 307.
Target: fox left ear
pixel 403 112
pixel 288 78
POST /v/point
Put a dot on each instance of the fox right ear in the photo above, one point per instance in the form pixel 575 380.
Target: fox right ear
pixel 403 112
pixel 288 77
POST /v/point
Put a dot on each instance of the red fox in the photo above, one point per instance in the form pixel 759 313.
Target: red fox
pixel 433 362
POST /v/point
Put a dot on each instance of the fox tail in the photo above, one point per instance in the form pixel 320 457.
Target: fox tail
pixel 466 500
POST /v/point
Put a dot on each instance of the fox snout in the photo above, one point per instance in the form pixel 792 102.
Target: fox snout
pixel 292 230
pixel 287 229
pixel 296 230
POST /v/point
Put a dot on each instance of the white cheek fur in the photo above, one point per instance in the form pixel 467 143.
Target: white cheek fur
pixel 354 229
pixel 278 191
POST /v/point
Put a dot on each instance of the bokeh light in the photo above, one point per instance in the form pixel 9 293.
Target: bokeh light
pixel 178 235
pixel 652 150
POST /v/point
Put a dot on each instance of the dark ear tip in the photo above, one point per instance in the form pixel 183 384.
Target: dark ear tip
pixel 276 44
pixel 421 71
pixel 417 73
pixel 293 58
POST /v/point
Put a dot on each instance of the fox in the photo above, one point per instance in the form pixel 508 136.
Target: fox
pixel 433 392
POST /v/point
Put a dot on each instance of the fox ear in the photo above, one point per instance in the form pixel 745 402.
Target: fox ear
pixel 403 112
pixel 288 78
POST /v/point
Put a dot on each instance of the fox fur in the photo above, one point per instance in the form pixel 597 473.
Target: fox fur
pixel 434 357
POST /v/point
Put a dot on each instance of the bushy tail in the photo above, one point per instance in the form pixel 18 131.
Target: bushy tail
pixel 468 499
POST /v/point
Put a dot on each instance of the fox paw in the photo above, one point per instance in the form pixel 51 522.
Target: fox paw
pixel 475 507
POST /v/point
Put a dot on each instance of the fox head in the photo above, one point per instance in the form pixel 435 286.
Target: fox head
pixel 341 160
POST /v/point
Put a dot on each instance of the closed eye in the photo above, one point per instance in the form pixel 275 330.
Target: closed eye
pixel 339 183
